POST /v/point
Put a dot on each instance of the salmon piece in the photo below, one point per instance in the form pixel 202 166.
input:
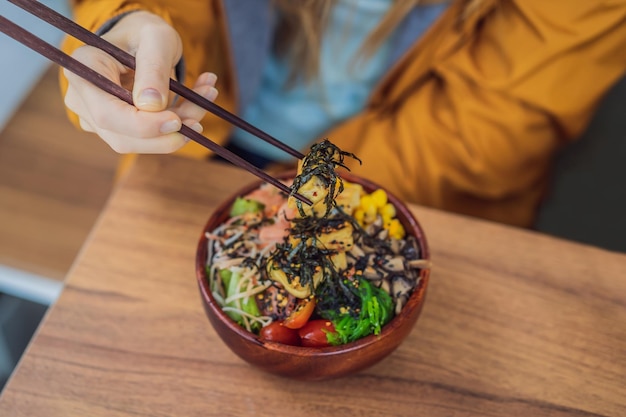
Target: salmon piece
pixel 275 233
pixel 269 196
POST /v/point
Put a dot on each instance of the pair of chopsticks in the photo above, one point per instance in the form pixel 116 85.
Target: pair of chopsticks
pixel 59 57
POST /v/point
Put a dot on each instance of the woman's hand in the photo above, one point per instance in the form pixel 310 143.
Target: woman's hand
pixel 152 124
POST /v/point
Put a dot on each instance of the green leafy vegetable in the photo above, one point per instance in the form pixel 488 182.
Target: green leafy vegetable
pixel 245 205
pixel 374 312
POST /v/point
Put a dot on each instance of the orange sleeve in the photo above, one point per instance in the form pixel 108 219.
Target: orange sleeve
pixel 477 135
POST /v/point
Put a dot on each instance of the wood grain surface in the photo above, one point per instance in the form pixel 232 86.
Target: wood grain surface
pixel 54 181
pixel 515 324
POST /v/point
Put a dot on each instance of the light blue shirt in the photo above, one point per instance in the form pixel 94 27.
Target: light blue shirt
pixel 303 113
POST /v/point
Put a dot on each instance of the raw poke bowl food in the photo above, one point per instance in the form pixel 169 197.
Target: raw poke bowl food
pixel 315 275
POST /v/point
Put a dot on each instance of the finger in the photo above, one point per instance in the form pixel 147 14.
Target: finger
pixel 103 111
pixel 157 145
pixel 194 124
pixel 109 113
pixel 85 125
pixel 84 119
pixel 75 104
pixel 158 51
pixel 126 144
pixel 206 78
pixel 119 117
pixel 99 62
pixel 205 88
pixel 73 101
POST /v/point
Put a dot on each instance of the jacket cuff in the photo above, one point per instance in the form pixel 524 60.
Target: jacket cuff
pixel 108 25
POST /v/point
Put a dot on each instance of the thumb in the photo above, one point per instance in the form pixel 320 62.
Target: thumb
pixel 158 50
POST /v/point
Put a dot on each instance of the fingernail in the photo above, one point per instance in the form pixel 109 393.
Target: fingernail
pixel 149 98
pixel 197 127
pixel 170 126
pixel 211 94
pixel 211 78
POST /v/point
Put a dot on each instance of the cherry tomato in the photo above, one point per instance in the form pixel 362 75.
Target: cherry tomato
pixel 314 333
pixel 300 315
pixel 276 332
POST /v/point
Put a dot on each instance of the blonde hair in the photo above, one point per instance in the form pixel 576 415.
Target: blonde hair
pixel 302 23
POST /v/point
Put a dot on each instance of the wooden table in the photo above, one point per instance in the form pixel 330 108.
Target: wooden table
pixel 515 324
pixel 54 181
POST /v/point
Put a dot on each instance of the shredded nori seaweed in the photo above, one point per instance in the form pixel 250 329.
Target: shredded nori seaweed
pixel 322 162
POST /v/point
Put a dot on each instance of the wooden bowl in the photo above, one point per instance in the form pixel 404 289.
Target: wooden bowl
pixel 307 363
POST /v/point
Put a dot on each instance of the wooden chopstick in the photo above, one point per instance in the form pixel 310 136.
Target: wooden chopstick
pixel 61 58
pixel 70 27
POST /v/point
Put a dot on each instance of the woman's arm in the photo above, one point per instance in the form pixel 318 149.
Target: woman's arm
pixel 478 135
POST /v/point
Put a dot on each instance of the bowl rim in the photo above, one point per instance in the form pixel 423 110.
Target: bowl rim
pixel 415 301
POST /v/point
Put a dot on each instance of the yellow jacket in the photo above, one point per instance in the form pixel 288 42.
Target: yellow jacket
pixel 469 119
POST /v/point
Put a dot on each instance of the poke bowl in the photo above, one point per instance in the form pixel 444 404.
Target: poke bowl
pixel 271 335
